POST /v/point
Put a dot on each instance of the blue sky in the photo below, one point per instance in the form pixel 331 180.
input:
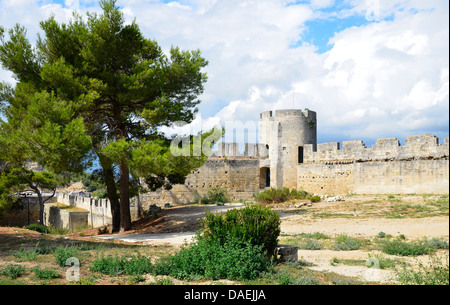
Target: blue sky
pixel 370 68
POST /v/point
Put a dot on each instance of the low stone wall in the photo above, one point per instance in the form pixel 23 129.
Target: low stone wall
pixel 63 218
pixel 99 210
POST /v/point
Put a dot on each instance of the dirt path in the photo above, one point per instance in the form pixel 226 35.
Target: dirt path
pixel 410 227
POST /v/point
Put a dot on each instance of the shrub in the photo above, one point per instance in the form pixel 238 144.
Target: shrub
pixel 45 273
pixel 274 195
pixel 310 244
pixel 37 227
pixel 128 265
pixel 315 235
pixel 285 278
pixel 343 242
pixel 13 271
pixel 415 248
pixel 216 195
pixel 315 198
pixel 103 230
pixel 304 281
pixel 63 253
pixel 379 261
pixel 209 259
pixel 23 255
pixel 435 273
pixel 163 282
pixel 255 224
pixel 437 243
pixel 381 235
pixel 57 231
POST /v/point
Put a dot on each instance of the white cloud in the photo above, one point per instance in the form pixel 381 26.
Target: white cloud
pixel 383 79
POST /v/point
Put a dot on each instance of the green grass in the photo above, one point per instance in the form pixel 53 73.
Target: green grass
pixel 125 264
pixel 306 241
pixel 436 272
pixel 348 262
pixel 209 259
pixel 381 262
pixel 333 215
pixel 274 195
pixel 343 242
pixel 13 271
pixel 412 248
pixel 45 273
pixel 392 207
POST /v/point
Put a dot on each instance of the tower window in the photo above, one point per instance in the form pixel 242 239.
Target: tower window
pixel 300 155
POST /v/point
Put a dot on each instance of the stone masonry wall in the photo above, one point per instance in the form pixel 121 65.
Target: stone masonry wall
pixel 99 209
pixel 420 166
pixel 240 177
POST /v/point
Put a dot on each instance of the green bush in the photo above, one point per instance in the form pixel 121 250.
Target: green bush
pixel 314 198
pixel 310 244
pixel 37 227
pixel 413 248
pixel 437 243
pixel 23 255
pixel 13 271
pixel 343 242
pixel 216 195
pixel 128 265
pixel 103 230
pixel 63 253
pixel 435 273
pixel 274 195
pixel 255 224
pixel 381 235
pixel 209 259
pixel 45 273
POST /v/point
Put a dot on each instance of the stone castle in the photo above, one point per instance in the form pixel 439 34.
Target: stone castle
pixel 288 155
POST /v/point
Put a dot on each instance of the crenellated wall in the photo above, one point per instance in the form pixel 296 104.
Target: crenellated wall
pixel 420 166
pixel 232 150
pixel 422 147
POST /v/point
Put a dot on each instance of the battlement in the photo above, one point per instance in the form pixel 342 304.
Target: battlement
pixel 286 113
pixel 231 150
pixel 419 147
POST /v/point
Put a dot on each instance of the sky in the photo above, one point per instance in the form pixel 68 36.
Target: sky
pixel 371 69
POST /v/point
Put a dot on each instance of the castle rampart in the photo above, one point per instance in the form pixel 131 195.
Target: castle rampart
pixel 421 147
pixel 288 155
pixel 420 166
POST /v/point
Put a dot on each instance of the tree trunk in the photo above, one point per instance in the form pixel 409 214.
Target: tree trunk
pixel 41 203
pixel 111 191
pixel 125 215
pixel 138 210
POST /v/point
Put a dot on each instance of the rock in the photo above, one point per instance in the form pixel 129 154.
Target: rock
pixel 152 209
pixel 301 204
pixel 287 253
pixel 334 199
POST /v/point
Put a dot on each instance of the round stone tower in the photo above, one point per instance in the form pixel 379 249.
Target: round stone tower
pixel 285 133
